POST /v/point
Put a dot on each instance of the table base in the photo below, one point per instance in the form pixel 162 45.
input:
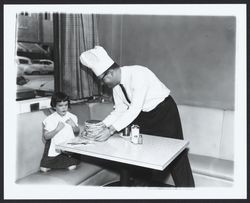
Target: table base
pixel 139 184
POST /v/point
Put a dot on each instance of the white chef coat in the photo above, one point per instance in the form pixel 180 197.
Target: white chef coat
pixel 144 90
pixel 51 122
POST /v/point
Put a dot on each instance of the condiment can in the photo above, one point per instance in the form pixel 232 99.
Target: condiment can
pixel 135 136
pixel 140 141
pixel 126 131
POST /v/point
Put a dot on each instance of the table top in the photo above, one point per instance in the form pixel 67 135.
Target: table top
pixel 155 152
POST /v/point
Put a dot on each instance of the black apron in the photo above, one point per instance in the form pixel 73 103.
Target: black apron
pixel 164 120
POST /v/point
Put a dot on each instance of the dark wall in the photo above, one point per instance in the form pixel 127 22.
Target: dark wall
pixel 193 55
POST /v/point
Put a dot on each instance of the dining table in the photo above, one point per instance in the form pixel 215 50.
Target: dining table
pixel 154 152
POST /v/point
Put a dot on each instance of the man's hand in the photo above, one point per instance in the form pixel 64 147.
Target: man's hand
pixel 103 135
pixel 112 130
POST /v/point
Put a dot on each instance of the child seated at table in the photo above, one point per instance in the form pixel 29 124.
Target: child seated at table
pixel 59 127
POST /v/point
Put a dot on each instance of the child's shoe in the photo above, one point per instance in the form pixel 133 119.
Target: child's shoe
pixel 44 169
pixel 72 167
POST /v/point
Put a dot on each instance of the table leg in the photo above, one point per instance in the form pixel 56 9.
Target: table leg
pixel 124 177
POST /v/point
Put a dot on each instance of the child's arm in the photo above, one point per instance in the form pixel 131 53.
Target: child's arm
pixel 75 128
pixel 50 134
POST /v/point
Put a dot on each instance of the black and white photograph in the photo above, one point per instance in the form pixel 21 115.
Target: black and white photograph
pixel 120 102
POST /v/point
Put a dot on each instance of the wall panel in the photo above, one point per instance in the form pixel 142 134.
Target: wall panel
pixel 193 55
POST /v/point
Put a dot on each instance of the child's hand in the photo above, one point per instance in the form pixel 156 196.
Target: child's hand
pixel 71 122
pixel 60 126
pixel 75 128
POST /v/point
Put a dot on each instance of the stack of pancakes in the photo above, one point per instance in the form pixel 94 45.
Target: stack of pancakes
pixel 93 128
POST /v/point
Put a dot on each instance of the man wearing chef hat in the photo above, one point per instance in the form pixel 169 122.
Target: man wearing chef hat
pixel 140 98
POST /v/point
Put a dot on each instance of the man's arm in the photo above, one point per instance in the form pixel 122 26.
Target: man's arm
pixel 120 107
pixel 140 88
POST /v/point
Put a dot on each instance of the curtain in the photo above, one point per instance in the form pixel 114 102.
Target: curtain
pixel 73 34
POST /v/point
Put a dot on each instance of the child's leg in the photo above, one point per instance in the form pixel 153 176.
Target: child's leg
pixel 70 160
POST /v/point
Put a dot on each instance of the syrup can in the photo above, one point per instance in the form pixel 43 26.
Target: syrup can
pixel 135 134
pixel 126 131
pixel 140 141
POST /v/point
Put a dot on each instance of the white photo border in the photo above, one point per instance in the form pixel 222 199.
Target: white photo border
pixel 15 191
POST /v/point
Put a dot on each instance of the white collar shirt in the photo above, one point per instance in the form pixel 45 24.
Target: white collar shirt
pixel 144 90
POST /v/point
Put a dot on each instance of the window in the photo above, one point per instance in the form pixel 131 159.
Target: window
pixel 34 56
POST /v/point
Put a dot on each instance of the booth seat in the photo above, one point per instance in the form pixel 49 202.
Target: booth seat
pixel 210 133
pixel 30 147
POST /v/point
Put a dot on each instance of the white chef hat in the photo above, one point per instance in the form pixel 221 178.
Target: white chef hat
pixel 97 60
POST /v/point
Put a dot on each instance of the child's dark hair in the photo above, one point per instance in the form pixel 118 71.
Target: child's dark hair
pixel 59 97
